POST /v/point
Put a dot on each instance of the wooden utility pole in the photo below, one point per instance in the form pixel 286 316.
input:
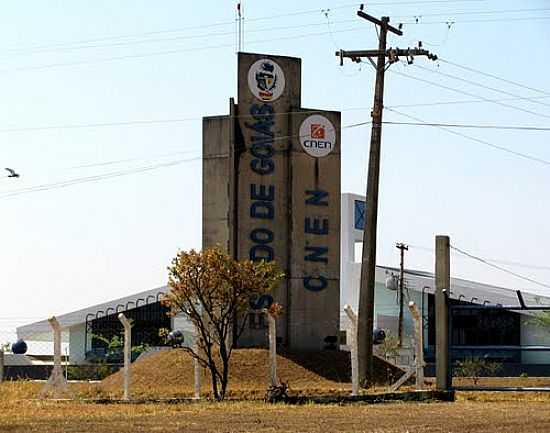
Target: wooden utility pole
pixel 368 260
pixel 442 288
pixel 402 247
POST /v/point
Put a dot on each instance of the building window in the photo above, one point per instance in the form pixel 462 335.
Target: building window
pixel 359 214
pixel 147 320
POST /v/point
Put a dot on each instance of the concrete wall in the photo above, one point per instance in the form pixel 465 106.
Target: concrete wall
pixel 216 198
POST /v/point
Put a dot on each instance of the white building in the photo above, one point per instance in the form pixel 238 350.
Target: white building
pixel 503 329
pixel 486 328
pixel 80 327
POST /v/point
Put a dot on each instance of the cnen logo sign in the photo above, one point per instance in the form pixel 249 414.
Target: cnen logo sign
pixel 317 136
pixel 266 80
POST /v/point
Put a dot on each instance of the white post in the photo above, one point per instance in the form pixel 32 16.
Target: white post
pixel 127 353
pixel 197 367
pixel 419 345
pixel 353 345
pixel 57 382
pixel 66 364
pixel 272 338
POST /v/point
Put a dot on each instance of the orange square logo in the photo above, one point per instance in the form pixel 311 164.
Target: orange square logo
pixel 317 131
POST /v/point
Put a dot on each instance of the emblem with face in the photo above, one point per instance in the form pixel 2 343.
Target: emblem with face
pixel 266 80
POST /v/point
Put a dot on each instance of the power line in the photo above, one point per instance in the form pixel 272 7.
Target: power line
pixel 176 38
pixel 121 161
pixel 500 268
pixel 478 140
pixel 476 126
pixel 452 89
pixel 485 12
pixel 148 122
pixel 466 101
pixel 453 22
pixel 174 51
pixel 232 22
pixel 70 182
pixel 496 77
pixel 475 83
pixel 504 262
pixel 75 181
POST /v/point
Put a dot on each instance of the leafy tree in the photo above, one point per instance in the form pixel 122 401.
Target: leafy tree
pixel 212 289
pixel 115 346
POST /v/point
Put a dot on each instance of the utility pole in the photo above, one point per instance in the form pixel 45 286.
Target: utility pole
pixel 402 247
pixel 368 261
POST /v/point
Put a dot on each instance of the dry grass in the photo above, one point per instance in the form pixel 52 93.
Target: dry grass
pixel 170 374
pixel 527 415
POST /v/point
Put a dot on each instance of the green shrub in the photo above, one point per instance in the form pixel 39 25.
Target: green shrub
pixel 476 367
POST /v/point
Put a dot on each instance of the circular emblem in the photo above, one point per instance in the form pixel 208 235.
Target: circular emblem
pixel 317 136
pixel 266 80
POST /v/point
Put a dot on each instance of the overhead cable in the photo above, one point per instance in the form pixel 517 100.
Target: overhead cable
pixel 478 140
pixel 466 101
pixel 173 51
pixel 500 268
pixel 453 89
pixel 475 83
pixel 489 20
pixel 503 262
pixel 496 77
pixel 474 126
pixel 232 22
pixel 70 182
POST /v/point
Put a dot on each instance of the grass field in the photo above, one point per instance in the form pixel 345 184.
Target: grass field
pixel 481 412
pixel 169 374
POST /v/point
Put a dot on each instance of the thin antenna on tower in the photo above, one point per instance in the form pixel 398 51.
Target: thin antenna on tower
pixel 240 30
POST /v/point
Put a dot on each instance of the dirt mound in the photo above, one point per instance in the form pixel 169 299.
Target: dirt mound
pixel 169 373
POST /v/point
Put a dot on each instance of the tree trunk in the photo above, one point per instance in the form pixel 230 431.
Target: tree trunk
pixel 214 383
pixel 225 368
pixel 225 376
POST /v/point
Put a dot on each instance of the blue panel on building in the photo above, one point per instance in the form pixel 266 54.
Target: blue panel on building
pixel 359 214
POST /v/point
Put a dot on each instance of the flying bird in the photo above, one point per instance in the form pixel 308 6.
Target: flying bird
pixel 12 172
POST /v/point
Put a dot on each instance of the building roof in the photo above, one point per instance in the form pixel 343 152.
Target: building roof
pixel 465 290
pixel 469 291
pixel 42 331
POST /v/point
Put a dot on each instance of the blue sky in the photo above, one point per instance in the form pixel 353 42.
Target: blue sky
pixel 103 62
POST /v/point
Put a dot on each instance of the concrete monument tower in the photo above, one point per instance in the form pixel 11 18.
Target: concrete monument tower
pixel 271 191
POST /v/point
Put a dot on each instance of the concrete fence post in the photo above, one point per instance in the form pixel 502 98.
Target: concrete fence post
pixel 442 289
pixel 353 345
pixel 127 353
pixel 57 382
pixel 418 345
pixel 272 337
